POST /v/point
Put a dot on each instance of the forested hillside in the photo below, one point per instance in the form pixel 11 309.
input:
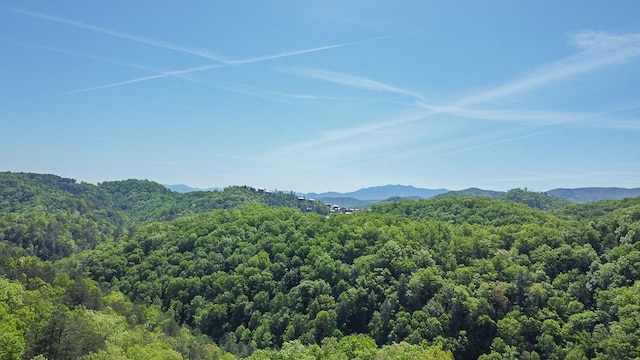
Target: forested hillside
pixel 148 273
pixel 53 217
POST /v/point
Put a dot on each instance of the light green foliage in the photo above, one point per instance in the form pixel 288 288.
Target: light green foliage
pixel 53 217
pixel 12 343
pixel 37 324
pixel 406 351
pixel 516 281
pixel 434 279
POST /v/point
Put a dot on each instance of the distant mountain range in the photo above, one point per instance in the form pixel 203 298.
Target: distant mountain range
pixel 371 195
pixel 590 194
pixel 182 188
pixel 382 192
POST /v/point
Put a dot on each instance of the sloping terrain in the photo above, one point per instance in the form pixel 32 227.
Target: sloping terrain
pixel 134 270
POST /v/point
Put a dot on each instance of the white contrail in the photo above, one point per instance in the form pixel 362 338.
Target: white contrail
pixel 351 80
pixel 228 63
pixel 338 135
pixel 599 50
pixel 238 88
pixel 306 51
pixel 169 46
pixel 82 55
pixel 158 73
pixel 145 78
pixel 110 32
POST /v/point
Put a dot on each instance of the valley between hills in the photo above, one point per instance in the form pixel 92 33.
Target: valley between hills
pixel 133 270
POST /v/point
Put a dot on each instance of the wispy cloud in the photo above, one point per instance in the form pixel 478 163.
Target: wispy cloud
pixel 591 40
pixel 232 87
pixel 500 140
pixel 239 88
pixel 587 177
pixel 305 51
pixel 251 91
pixel 625 124
pixel 145 78
pixel 333 136
pixel 74 53
pixel 532 128
pixel 624 118
pixel 520 116
pixel 598 50
pixel 351 81
pixel 611 118
pixel 175 47
pixel 118 34
pixel 213 66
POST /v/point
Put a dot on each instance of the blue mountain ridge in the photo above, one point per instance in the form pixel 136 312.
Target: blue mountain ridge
pixel 375 194
pixel 382 192
pixel 182 188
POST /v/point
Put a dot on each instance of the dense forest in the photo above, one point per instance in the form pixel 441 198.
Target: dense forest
pixel 131 270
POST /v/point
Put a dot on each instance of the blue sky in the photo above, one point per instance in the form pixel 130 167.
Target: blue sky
pixel 323 96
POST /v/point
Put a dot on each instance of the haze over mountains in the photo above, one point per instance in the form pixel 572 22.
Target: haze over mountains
pixel 383 192
pixel 370 195
pixel 182 188
pixel 590 194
